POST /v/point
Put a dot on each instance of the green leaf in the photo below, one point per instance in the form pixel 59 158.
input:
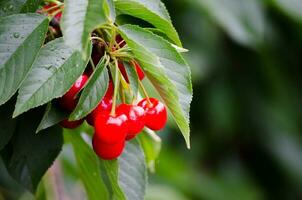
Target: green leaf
pixel 244 21
pixel 93 92
pixel 51 117
pixel 9 7
pixel 80 18
pixel 110 10
pixel 167 71
pixel 110 172
pixel 133 171
pixel 153 12
pixel 151 145
pixel 88 165
pixel 7 124
pixel 133 77
pixel 33 154
pixel 55 70
pixel 21 37
pixel 291 7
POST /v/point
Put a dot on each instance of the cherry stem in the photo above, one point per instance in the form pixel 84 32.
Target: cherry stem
pixel 145 92
pixel 92 64
pixel 52 8
pixel 116 85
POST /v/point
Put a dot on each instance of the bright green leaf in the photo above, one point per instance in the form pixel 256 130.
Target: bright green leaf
pixel 80 18
pixel 33 154
pixel 167 71
pixel 51 117
pixel 92 93
pixel 151 145
pixel 9 7
pixel 55 70
pixel 21 37
pixel 88 165
pixel 153 12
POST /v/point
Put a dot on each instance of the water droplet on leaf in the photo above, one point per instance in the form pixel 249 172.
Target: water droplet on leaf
pixel 16 35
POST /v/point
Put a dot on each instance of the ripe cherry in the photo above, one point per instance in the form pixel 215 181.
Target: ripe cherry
pixel 111 129
pixel 58 16
pixel 136 118
pixel 68 101
pixel 71 124
pixel 107 151
pixel 156 113
pixel 139 71
pixel 104 106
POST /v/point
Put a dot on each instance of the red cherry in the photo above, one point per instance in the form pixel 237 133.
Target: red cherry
pixel 156 113
pixel 50 5
pixel 71 124
pixel 120 41
pixel 107 151
pixel 104 106
pixel 136 118
pixel 111 129
pixel 139 71
pixel 68 101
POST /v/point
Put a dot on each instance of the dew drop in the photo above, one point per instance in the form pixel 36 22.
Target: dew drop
pixel 16 35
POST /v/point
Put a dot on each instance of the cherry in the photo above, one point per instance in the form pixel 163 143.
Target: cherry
pixel 136 118
pixel 119 40
pixel 156 113
pixel 71 124
pixel 58 16
pixel 107 151
pixel 68 101
pixel 111 129
pixel 139 71
pixel 104 106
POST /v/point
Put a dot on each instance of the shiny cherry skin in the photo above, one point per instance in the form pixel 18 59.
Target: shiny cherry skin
pixel 104 106
pixel 111 129
pixel 71 124
pixel 68 101
pixel 155 114
pixel 139 71
pixel 136 118
pixel 107 151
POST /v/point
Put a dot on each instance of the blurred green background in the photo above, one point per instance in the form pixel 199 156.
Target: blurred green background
pixel 246 59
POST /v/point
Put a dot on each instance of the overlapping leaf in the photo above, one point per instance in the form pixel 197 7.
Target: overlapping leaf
pixel 21 37
pixel 133 171
pixel 92 93
pixel 88 165
pixel 9 7
pixel 167 71
pixel 55 70
pixel 80 18
pixel 32 154
pixel 153 12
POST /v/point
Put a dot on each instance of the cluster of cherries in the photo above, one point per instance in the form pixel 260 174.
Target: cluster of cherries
pixel 112 130
pixel 113 126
